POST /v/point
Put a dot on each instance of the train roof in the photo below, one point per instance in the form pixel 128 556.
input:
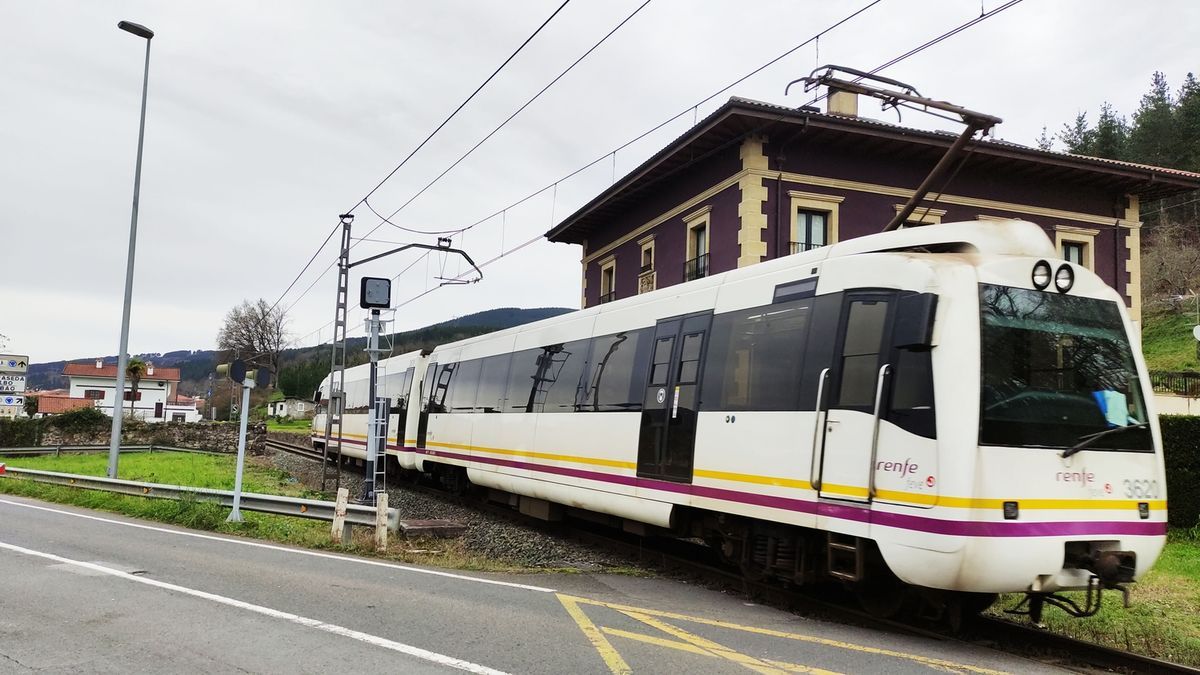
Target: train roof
pixel 1007 237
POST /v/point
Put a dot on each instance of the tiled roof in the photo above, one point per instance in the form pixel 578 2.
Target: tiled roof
pixel 52 405
pixel 110 371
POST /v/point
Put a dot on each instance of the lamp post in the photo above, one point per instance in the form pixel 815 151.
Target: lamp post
pixel 114 443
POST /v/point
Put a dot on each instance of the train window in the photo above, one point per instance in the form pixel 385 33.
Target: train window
pixel 818 348
pixel 521 376
pixel 559 377
pixel 755 357
pixel 493 379
pixel 617 371
pixel 689 358
pixel 860 353
pixel 662 361
pixel 461 398
pixel 427 386
pixel 912 407
pixel 438 402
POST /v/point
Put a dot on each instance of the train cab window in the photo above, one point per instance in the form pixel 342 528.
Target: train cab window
pixel 617 371
pixel 860 353
pixel 493 378
pixel 461 398
pixel 755 357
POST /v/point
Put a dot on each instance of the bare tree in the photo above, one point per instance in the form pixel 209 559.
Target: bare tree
pixel 1171 264
pixel 256 332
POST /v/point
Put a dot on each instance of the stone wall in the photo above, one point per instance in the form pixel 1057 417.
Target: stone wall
pixel 211 436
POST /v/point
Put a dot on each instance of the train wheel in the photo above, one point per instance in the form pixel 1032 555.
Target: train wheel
pixel 881 598
pixel 961 608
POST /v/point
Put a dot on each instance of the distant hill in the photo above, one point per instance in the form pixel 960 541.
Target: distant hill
pixel 298 366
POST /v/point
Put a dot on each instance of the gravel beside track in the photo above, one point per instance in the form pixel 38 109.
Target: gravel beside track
pixel 488 534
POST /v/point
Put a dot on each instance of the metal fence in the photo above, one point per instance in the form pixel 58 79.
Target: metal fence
pixel 1176 383
pixel 56 450
pixel 315 509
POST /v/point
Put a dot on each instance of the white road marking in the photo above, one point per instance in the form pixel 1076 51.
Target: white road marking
pixel 375 640
pixel 271 547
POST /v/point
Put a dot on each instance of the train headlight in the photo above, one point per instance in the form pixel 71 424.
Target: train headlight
pixel 1041 275
pixel 1064 278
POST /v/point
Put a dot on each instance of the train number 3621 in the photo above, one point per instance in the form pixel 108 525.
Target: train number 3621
pixel 1141 489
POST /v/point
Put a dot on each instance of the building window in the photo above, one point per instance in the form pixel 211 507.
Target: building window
pixel 608 280
pixel 1072 251
pixel 812 230
pixel 94 394
pixel 814 221
pixel 921 216
pixel 1076 244
pixel 646 280
pixel 129 396
pixel 696 231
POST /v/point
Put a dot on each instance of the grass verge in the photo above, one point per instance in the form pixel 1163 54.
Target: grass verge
pixel 216 471
pixel 289 425
pixel 1163 619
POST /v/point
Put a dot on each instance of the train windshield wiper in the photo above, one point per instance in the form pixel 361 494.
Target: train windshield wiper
pixel 1085 440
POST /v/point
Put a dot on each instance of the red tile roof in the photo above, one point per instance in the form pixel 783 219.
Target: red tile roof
pixel 52 405
pixel 110 370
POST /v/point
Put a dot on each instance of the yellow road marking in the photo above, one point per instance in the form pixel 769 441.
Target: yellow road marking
pixel 611 658
pixel 827 642
pixel 692 649
pixel 705 644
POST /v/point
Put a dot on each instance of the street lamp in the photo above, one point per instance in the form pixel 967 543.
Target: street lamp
pixel 114 443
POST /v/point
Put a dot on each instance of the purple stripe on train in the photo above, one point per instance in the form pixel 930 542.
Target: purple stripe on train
pixel 961 528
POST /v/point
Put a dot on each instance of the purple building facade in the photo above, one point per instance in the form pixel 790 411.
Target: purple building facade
pixel 754 181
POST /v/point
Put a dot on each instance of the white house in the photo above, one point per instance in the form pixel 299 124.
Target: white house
pixel 295 408
pixel 157 394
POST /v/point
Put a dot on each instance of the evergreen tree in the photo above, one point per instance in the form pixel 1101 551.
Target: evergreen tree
pixel 1111 135
pixel 1187 123
pixel 1153 139
pixel 1077 136
pixel 1045 141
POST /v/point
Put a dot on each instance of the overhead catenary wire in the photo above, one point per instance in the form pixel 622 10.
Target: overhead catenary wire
pixel 766 123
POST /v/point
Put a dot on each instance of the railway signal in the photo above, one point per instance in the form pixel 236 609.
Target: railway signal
pixel 238 372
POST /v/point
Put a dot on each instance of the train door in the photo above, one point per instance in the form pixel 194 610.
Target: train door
pixel 400 410
pixel 854 402
pixel 667 439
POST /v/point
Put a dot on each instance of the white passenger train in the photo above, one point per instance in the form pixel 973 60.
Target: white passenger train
pixel 949 407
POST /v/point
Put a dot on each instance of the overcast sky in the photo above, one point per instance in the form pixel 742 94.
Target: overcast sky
pixel 266 120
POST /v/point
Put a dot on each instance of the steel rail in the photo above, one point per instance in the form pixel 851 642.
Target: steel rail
pixel 298 450
pixel 314 509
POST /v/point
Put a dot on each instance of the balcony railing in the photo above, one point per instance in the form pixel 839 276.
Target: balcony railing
pixel 801 246
pixel 696 268
pixel 608 297
pixel 646 281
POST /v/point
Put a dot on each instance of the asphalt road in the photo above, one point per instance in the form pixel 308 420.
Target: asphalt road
pixel 84 591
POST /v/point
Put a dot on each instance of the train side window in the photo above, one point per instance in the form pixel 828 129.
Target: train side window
pixel 661 367
pixel 860 353
pixel 755 357
pixel 912 407
pixel 521 375
pixel 617 371
pixel 493 378
pixel 689 358
pixel 438 385
pixel 461 398
pixel 560 376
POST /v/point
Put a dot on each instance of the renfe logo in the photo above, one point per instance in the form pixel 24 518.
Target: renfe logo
pixel 1075 477
pixel 896 467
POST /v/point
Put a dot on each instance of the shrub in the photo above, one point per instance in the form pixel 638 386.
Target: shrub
pixel 1181 450
pixel 80 420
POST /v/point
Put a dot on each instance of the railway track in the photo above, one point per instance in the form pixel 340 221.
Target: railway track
pixel 696 560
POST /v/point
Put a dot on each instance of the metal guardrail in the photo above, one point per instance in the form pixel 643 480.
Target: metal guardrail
pixel 1177 383
pixel 59 449
pixel 315 509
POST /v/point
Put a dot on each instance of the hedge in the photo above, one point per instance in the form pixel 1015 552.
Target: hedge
pixel 1181 447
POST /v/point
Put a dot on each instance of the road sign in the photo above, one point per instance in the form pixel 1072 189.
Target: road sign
pixel 13 363
pixel 12 411
pixel 12 399
pixel 12 383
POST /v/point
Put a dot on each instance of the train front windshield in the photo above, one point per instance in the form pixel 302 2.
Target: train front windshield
pixel 1057 368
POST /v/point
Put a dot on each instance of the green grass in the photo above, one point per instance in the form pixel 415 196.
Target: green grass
pixel 1167 341
pixel 1163 619
pixel 217 471
pixel 290 425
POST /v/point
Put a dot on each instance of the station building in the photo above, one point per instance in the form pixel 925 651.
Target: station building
pixel 754 181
